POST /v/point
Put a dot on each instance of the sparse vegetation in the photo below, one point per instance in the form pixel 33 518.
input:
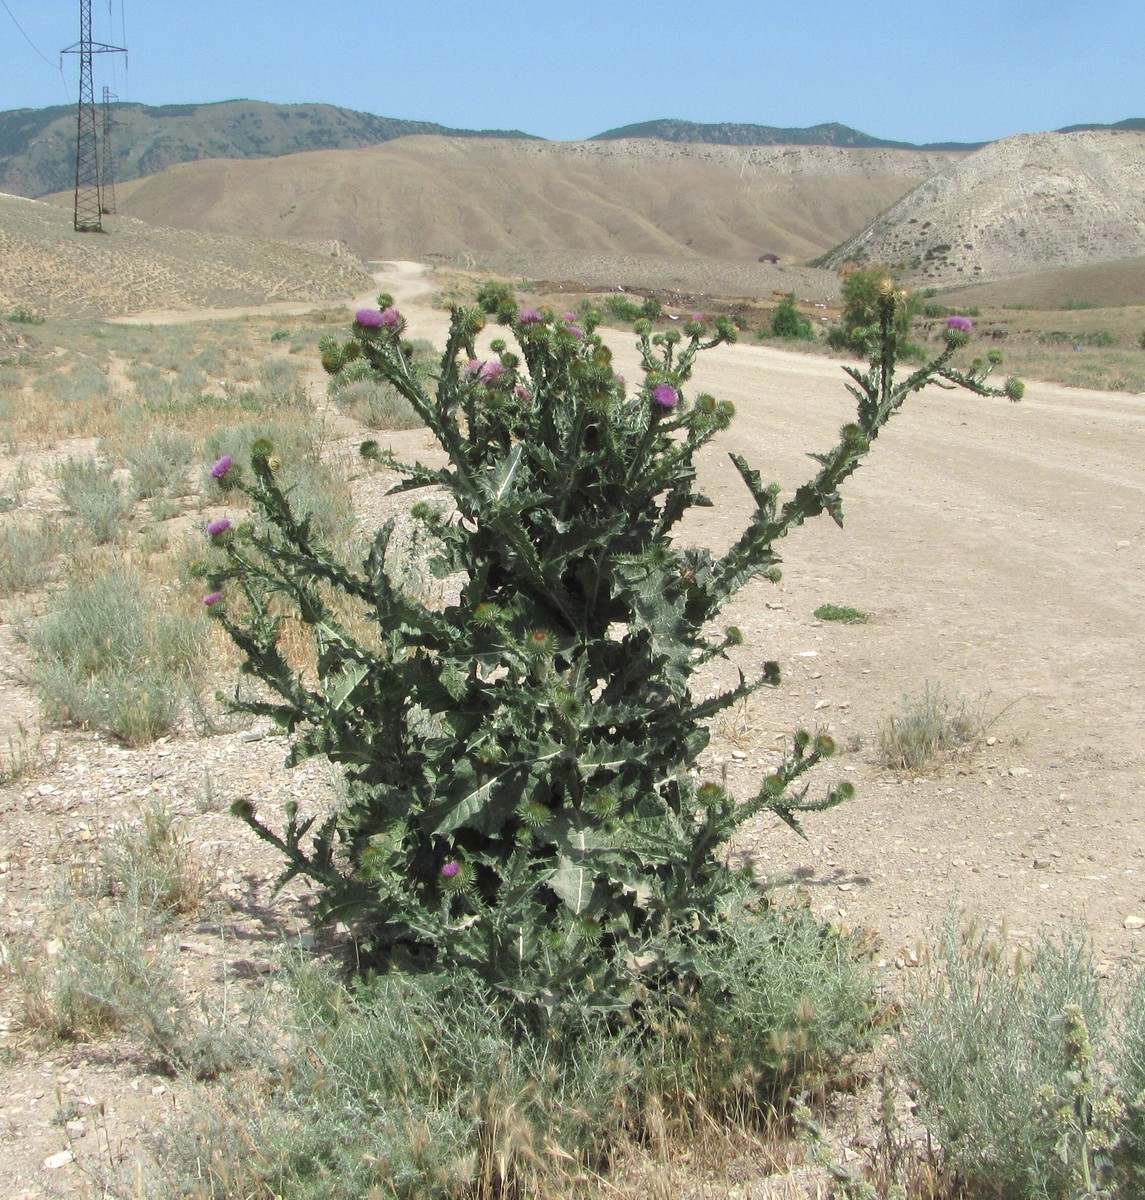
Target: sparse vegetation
pixel 28 555
pixel 110 656
pixel 88 491
pixel 929 726
pixel 25 316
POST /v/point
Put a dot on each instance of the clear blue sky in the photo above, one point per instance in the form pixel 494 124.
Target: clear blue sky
pixel 958 70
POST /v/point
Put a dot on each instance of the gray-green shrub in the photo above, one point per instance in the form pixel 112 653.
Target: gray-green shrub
pixel 28 555
pixel 88 491
pixel 110 655
pixel 991 1045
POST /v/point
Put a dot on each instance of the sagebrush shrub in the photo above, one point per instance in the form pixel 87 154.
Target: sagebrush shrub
pixel 521 765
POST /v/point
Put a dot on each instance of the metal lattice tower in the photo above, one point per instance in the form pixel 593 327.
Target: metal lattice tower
pixel 88 202
pixel 107 160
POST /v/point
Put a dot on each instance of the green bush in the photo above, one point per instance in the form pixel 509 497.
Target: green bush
pixel 623 309
pixel 520 763
pixel 651 309
pixel 788 322
pixel 863 291
pixel 493 295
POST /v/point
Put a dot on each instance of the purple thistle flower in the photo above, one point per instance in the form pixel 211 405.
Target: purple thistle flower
pixel 529 316
pixel 390 318
pixel 522 392
pixel 698 318
pixel 368 318
pixel 665 395
pixel 449 868
pixel 217 527
pixel 222 467
pixel 571 318
pixel 490 371
pixel 213 598
pixel 963 323
pixel 473 366
pixel 576 331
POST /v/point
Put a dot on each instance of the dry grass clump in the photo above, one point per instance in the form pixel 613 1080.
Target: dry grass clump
pixel 929 726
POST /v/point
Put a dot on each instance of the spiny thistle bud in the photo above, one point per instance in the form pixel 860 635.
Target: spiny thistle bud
pixel 824 745
pixel 1015 389
pixel 535 814
pixel 539 643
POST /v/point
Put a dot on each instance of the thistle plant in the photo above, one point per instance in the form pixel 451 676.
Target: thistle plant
pixel 521 764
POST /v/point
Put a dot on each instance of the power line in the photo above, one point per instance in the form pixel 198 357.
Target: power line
pixel 24 35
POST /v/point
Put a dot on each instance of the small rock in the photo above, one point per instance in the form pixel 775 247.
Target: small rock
pixel 54 1161
pixel 1017 772
pixel 76 1129
pixel 1134 922
pixel 197 948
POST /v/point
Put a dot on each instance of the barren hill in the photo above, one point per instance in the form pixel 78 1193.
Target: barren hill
pixel 420 196
pixel 49 268
pixel 1018 206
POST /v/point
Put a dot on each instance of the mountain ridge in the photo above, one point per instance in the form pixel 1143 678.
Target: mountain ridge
pixel 37 146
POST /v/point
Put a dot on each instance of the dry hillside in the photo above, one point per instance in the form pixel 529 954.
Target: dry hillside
pixel 47 267
pixel 1104 284
pixel 423 196
pixel 1018 206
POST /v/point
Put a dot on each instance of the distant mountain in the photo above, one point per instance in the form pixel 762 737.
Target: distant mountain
pixel 37 145
pixel 725 134
pixel 1133 124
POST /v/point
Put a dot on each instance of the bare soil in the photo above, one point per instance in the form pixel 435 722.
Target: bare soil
pixel 999 551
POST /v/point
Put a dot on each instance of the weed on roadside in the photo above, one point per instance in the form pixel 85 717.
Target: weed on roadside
pixel 929 726
pixel 842 613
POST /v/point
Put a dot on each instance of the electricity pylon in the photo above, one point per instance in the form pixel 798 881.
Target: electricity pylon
pixel 107 163
pixel 88 203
